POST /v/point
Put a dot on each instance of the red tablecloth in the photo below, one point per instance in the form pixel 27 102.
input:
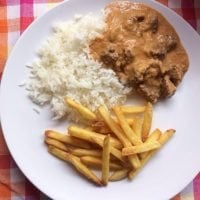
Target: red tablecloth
pixel 15 16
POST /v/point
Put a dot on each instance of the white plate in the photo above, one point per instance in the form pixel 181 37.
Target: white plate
pixel 164 176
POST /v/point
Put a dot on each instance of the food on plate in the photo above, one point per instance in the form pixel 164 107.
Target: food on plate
pixel 105 160
pixel 67 139
pixel 88 67
pixel 114 152
pixel 117 130
pixel 129 132
pixel 154 136
pixel 119 175
pixel 131 109
pixel 141 148
pixel 137 126
pixel 97 163
pixel 75 161
pixel 162 140
pixel 85 112
pixel 146 126
pixel 143 48
pixel 114 127
pixel 99 60
pixel 65 68
pixel 85 152
pixel 90 136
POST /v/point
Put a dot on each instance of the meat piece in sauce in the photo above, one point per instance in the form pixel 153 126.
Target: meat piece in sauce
pixel 142 48
pixel 140 22
pixel 116 58
pixel 158 46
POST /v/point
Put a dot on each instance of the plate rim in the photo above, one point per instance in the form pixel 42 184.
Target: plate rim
pixel 7 65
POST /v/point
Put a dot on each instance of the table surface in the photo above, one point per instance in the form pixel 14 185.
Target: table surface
pixel 15 17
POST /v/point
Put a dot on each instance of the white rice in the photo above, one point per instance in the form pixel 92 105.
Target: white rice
pixel 64 68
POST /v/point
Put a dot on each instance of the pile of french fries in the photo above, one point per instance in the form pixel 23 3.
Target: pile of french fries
pixel 118 142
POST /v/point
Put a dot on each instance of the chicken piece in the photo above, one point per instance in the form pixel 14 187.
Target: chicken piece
pixel 151 93
pixel 157 81
pixel 175 73
pixel 144 69
pixel 141 21
pixel 167 87
pixel 152 82
pixel 116 57
pixel 150 23
pixel 147 79
pixel 157 47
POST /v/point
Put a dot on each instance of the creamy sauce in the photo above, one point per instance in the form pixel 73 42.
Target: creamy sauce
pixel 141 46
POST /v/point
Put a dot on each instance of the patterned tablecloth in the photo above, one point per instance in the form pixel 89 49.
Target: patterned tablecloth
pixel 15 16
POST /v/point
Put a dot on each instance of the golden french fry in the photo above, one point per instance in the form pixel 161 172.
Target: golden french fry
pixel 115 152
pixel 119 175
pixel 166 136
pixel 129 120
pixel 147 146
pixel 113 126
pixel 154 136
pixel 147 121
pixel 67 139
pixel 75 161
pixel 95 162
pixel 134 161
pixel 56 144
pixel 163 139
pixel 86 152
pixel 133 109
pixel 105 160
pixel 134 139
pixel 137 127
pixel 89 135
pixel 85 112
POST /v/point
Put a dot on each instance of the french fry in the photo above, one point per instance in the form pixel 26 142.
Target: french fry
pixel 119 175
pixel 109 142
pixel 113 126
pixel 67 139
pixel 89 135
pixel 163 140
pixel 96 163
pixel 134 139
pixel 137 127
pixel 147 146
pixel 129 120
pixel 85 112
pixel 105 160
pixel 56 144
pixel 166 136
pixel 75 161
pixel 115 152
pixel 86 152
pixel 147 121
pixel 133 109
pixel 154 136
pixel 134 161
